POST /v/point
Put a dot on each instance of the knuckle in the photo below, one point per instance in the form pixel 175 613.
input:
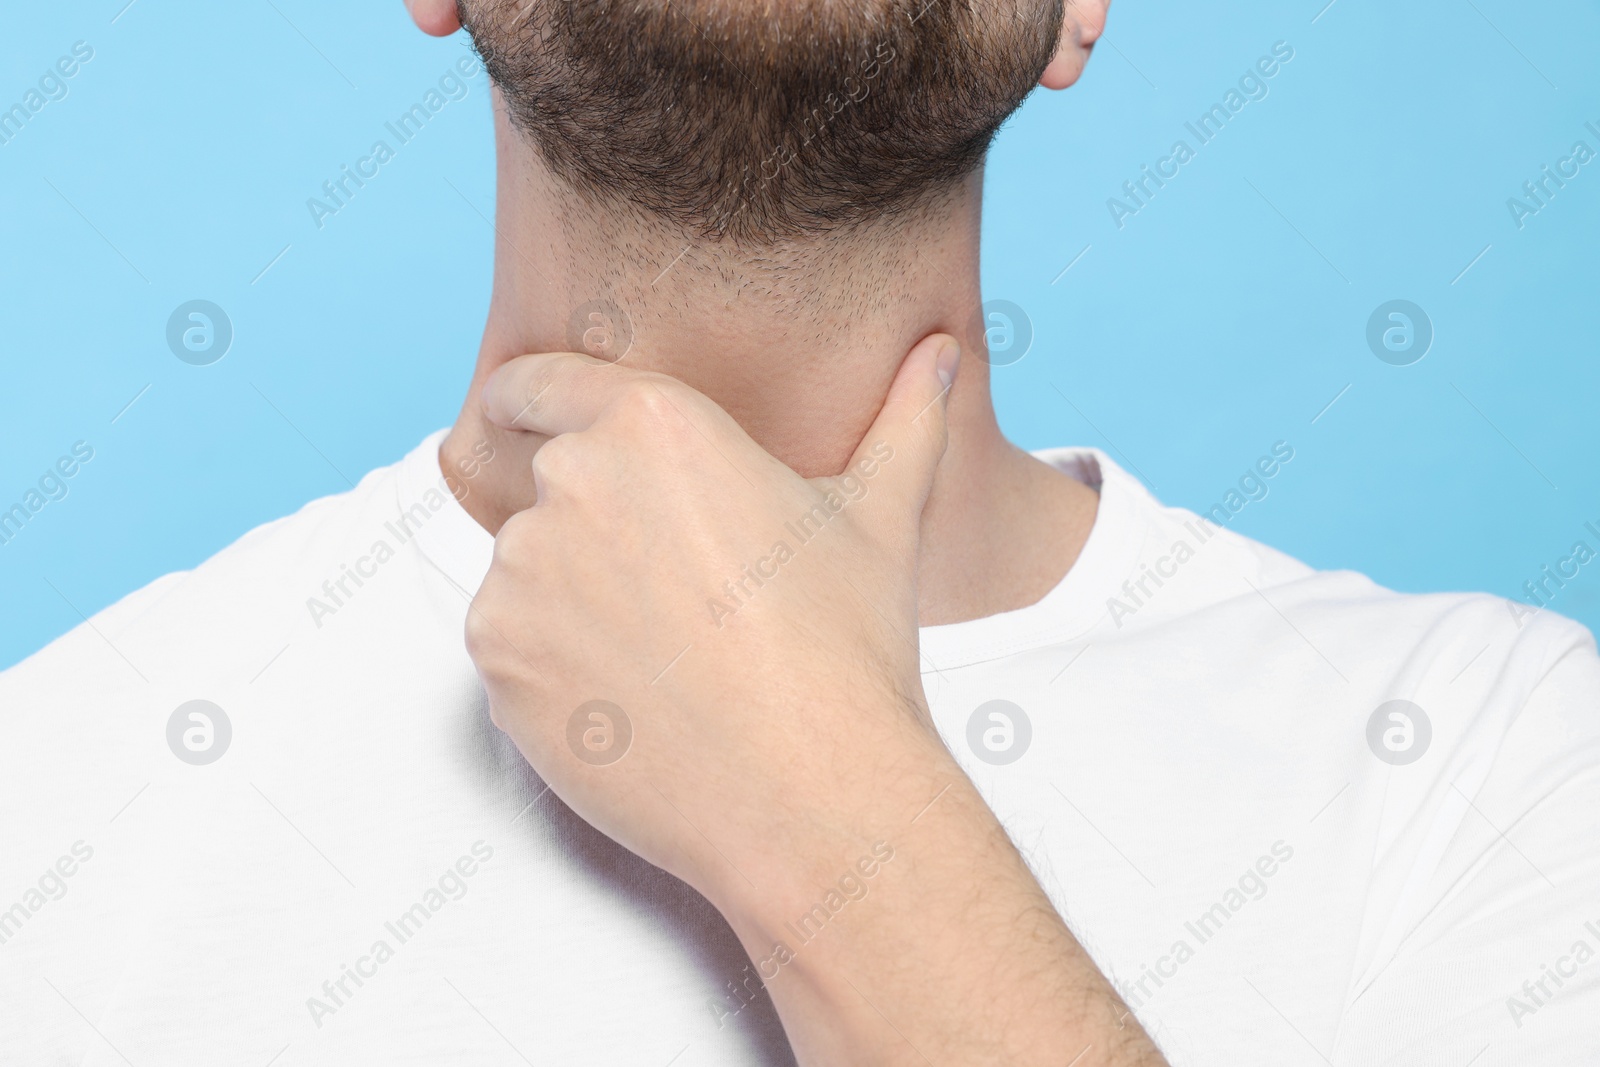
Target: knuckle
pixel 664 414
pixel 479 632
pixel 646 402
pixel 559 460
pixel 512 544
pixel 516 531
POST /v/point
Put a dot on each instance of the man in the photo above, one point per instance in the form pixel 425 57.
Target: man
pixel 787 646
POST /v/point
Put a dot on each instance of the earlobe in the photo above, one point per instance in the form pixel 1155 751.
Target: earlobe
pixel 437 18
pixel 1065 68
pixel 1081 26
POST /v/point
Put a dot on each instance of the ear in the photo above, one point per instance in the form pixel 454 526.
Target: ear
pixel 1081 26
pixel 438 18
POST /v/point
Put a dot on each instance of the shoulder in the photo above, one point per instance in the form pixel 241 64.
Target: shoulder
pixel 1188 573
pixel 208 615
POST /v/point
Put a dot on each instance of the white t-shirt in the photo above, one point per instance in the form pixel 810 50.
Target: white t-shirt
pixel 369 873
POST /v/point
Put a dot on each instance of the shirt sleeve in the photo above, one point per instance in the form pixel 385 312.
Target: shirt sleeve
pixel 1502 962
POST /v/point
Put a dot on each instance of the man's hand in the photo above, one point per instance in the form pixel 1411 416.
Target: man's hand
pixel 714 661
pixel 755 631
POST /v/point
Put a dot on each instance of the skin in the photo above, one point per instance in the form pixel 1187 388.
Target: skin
pixel 777 748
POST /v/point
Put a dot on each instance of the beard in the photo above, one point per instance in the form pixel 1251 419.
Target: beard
pixel 767 123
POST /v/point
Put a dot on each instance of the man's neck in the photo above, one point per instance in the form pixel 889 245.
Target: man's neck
pixel 798 343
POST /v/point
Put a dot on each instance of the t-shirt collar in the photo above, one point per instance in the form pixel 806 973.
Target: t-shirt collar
pixel 449 537
pixel 454 542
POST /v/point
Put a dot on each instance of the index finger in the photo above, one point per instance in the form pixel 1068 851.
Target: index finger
pixel 553 392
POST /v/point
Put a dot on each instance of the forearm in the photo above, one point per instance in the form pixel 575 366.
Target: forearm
pixel 768 800
pixel 947 952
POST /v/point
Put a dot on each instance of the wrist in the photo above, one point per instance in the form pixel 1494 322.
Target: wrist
pixel 827 867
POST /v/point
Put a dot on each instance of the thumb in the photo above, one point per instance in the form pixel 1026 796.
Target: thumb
pixel 903 447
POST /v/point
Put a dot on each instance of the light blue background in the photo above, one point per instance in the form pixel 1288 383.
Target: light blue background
pixel 1223 317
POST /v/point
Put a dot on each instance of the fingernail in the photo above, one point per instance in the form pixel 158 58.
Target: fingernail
pixel 949 359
